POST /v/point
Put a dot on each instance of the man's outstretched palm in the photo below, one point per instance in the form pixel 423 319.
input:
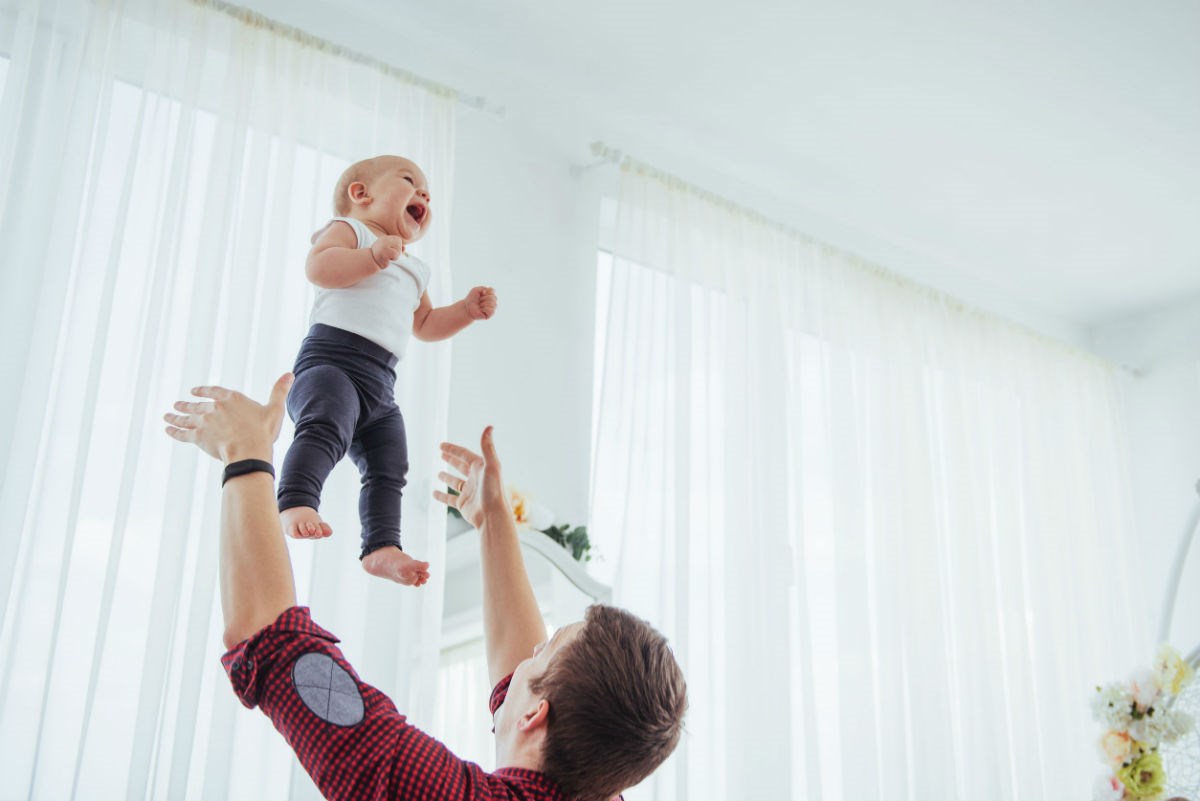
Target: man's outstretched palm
pixel 482 489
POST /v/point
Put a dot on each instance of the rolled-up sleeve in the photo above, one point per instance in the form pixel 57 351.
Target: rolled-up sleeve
pixel 347 734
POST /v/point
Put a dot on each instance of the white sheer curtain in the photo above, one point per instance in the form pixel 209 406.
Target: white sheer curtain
pixel 461 718
pixel 889 537
pixel 162 165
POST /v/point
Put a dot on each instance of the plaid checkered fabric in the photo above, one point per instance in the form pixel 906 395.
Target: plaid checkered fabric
pixel 499 692
pixel 353 751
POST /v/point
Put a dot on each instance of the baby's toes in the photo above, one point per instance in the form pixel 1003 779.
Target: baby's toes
pixel 413 575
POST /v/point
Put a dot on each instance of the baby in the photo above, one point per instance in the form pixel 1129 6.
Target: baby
pixel 343 398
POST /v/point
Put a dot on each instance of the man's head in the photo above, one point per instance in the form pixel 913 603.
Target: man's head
pixel 390 192
pixel 604 700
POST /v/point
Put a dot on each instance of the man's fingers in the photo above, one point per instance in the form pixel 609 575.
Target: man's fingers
pixel 180 434
pixel 445 497
pixel 279 392
pixel 451 481
pixel 460 463
pixel 488 446
pixel 180 420
pixel 458 456
pixel 193 408
pixel 214 392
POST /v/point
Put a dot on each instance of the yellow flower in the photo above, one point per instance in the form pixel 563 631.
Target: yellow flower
pixel 1145 777
pixel 520 506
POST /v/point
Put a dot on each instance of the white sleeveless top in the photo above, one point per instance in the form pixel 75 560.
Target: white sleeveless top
pixel 379 307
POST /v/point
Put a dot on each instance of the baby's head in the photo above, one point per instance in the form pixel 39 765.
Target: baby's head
pixel 389 191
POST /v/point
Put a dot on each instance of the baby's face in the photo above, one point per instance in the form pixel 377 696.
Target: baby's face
pixel 400 200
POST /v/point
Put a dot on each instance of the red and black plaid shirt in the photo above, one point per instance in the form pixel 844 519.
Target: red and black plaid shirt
pixel 358 752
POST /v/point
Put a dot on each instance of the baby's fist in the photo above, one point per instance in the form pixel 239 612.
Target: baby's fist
pixel 386 249
pixel 481 303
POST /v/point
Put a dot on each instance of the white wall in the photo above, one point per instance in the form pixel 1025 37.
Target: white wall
pixel 1162 397
pixel 523 224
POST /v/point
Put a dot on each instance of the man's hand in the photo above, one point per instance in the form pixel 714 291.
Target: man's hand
pixel 481 302
pixel 512 621
pixel 230 427
pixel 482 491
pixel 386 249
pixel 256 571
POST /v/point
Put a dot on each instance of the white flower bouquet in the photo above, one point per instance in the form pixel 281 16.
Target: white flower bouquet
pixel 1138 718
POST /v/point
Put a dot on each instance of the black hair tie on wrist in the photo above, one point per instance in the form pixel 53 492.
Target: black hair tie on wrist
pixel 241 468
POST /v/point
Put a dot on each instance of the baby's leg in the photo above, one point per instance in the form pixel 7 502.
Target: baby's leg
pixel 325 406
pixel 381 452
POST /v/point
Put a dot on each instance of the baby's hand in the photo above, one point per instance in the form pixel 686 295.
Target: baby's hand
pixel 481 302
pixel 386 249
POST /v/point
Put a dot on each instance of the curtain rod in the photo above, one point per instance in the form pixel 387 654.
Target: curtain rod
pixel 607 155
pixel 254 19
pixel 610 155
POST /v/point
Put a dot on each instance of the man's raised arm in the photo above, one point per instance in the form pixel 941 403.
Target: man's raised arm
pixel 256 572
pixel 512 622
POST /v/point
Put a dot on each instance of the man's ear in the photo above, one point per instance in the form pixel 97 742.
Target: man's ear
pixel 357 191
pixel 535 717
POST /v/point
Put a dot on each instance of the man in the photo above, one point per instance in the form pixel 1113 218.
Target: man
pixel 591 712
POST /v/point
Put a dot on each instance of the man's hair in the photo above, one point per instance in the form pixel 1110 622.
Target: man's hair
pixel 617 699
pixel 364 171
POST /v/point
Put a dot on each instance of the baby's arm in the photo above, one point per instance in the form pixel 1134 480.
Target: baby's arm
pixel 431 325
pixel 337 261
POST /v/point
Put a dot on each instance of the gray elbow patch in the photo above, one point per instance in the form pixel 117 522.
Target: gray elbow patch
pixel 327 690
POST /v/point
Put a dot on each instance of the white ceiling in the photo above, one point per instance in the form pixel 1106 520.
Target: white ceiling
pixel 1044 153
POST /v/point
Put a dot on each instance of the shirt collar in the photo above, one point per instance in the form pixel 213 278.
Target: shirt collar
pixel 535 777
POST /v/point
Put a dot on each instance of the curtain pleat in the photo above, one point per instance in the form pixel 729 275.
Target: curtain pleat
pixel 162 166
pixel 884 532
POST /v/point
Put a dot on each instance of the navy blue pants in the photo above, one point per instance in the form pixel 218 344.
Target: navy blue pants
pixel 344 400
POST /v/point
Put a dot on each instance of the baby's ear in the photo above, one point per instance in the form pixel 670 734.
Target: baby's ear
pixel 357 191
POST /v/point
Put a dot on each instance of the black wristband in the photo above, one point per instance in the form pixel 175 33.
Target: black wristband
pixel 235 469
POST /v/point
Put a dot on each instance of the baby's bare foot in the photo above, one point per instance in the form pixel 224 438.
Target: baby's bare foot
pixel 303 523
pixel 394 564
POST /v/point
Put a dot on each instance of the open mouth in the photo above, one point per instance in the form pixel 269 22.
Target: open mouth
pixel 417 212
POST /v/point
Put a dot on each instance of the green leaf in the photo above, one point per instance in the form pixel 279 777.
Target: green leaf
pixel 573 539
